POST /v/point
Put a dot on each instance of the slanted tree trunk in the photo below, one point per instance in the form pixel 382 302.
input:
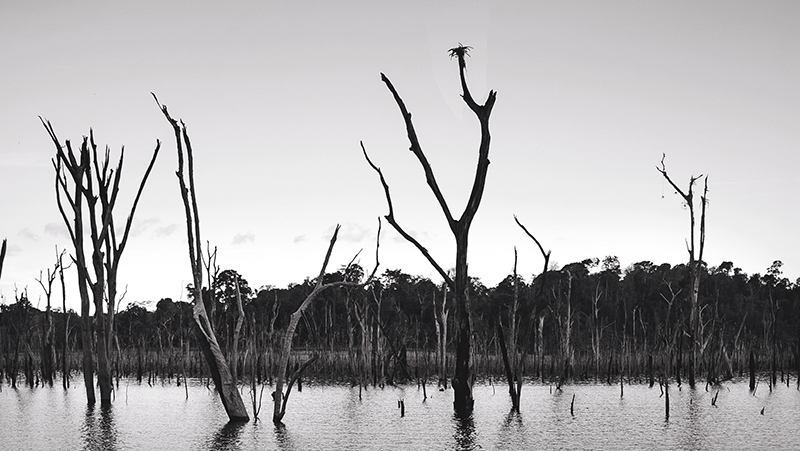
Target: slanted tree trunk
pixel 218 365
pixel 2 255
pixel 695 249
pixel 463 379
pixel 280 399
pixel 106 248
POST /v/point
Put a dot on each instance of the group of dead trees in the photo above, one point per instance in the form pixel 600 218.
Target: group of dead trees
pixel 558 300
pixel 87 189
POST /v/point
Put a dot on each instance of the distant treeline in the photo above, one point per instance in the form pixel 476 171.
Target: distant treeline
pixel 586 320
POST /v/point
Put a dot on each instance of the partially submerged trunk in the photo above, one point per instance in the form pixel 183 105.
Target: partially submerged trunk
pixel 695 249
pixel 95 186
pixel 463 378
pixel 217 364
pixel 280 399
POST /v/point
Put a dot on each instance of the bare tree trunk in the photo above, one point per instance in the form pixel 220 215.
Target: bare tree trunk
pixel 106 248
pixel 695 261
pixel 2 255
pixel 65 369
pixel 218 365
pixel 280 398
pixel 236 332
pixel 48 350
pixel 463 379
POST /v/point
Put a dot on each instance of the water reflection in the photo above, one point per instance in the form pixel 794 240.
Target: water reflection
pixel 513 419
pixel 329 417
pixel 283 438
pixel 99 433
pixel 464 433
pixel 229 437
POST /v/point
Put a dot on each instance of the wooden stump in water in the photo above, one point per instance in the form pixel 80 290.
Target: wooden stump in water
pixel 752 371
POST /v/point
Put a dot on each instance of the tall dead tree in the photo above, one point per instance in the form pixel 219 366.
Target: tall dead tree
pixel 440 320
pixel 48 350
pixel 83 180
pixel 694 247
pixel 512 365
pixel 2 255
pixel 217 364
pixel 463 378
pixel 65 370
pixel 278 396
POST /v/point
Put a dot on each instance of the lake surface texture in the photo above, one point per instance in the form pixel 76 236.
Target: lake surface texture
pixel 331 417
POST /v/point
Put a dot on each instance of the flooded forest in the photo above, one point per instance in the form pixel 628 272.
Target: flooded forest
pixel 651 323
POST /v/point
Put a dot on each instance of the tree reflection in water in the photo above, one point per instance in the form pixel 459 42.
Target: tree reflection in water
pixel 283 438
pixel 464 433
pixel 99 433
pixel 229 437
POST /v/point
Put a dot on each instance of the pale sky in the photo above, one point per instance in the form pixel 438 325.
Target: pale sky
pixel 277 96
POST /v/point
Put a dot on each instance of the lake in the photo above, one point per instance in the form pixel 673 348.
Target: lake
pixel 331 417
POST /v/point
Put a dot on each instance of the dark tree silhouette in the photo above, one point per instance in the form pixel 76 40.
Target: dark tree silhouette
pixel 91 180
pixel 695 249
pixel 220 370
pixel 279 397
pixel 463 378
pixel 2 255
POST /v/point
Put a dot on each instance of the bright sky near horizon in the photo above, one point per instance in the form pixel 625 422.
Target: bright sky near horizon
pixel 277 95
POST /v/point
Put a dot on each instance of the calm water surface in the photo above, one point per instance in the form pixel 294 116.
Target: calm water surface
pixel 328 417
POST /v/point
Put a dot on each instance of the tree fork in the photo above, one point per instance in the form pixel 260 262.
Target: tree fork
pixel 463 379
pixel 218 365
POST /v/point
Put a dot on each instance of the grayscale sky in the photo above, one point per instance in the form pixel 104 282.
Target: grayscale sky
pixel 277 96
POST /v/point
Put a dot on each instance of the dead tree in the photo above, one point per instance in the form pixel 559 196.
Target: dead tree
pixel 695 249
pixel 278 396
pixel 440 320
pixel 537 293
pixel 81 172
pixel 48 350
pixel 65 370
pixel 512 365
pixel 463 378
pixel 237 331
pixel 217 364
pixel 2 255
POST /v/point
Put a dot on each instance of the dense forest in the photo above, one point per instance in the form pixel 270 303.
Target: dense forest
pixel 586 320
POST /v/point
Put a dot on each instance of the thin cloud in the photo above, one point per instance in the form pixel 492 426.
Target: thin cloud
pixel 351 233
pixel 299 239
pixel 56 230
pixel 138 226
pixel 28 235
pixel 12 249
pixel 166 231
pixel 419 236
pixel 244 238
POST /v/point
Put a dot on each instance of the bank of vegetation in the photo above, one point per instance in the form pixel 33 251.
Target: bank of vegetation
pixel 592 321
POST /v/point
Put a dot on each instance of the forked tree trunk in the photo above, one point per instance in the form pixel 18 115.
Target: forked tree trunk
pixel 93 180
pixel 695 249
pixel 217 364
pixel 462 380
pixel 280 399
